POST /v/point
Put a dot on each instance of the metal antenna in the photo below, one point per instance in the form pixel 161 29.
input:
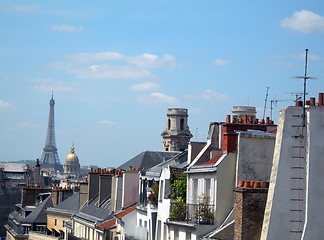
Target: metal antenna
pixel 305 79
pixel 275 101
pixel 265 103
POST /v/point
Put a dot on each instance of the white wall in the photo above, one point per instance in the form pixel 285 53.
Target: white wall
pixel 254 156
pixel 294 207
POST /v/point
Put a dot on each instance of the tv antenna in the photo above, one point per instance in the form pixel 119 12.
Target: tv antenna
pixel 305 77
pixel 274 103
pixel 265 103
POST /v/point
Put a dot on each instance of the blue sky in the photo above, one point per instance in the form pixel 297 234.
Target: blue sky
pixel 116 66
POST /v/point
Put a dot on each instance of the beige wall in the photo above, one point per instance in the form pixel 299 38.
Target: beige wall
pixel 56 222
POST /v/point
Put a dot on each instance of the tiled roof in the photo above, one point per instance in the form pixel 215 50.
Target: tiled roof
pixel 274 131
pixel 123 213
pixel 108 224
pixel 212 161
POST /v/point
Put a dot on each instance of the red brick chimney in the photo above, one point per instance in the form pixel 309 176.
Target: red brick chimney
pixel 250 204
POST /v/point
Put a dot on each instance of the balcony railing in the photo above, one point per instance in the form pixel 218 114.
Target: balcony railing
pixel 192 213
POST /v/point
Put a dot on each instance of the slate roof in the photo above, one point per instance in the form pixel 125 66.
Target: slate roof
pixel 92 212
pixel 179 161
pixel 148 159
pixel 69 205
pixel 38 215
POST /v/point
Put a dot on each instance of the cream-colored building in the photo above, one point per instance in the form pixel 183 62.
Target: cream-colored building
pixel 72 165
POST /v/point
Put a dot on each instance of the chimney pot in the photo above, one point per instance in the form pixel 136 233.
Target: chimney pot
pixel 320 99
pixel 262 121
pixel 268 121
pixel 245 118
pixel 228 119
pixel 251 119
pixel 312 101
pixel 234 120
pixel 241 183
pixel 246 184
pixel 240 120
pixel 308 102
pixel 299 103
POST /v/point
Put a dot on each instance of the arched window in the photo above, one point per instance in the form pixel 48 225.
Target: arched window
pixel 169 124
pixel 181 124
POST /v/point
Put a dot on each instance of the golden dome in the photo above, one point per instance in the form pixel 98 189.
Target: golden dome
pixel 72 157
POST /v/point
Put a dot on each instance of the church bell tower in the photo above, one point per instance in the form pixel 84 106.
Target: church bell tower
pixel 177 135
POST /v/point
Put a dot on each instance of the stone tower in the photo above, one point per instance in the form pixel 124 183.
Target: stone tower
pixel 50 160
pixel 177 135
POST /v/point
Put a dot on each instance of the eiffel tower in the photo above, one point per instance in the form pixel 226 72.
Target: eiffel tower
pixel 50 160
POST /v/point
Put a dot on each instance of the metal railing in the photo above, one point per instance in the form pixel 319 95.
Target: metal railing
pixel 199 213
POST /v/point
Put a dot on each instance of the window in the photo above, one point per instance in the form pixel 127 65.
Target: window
pixel 145 224
pixel 182 124
pixel 169 124
pixel 55 222
pixel 140 222
pixel 161 191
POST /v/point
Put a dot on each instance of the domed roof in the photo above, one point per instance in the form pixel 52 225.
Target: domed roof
pixel 72 157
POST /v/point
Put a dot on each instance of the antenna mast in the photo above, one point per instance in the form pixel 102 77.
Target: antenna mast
pixel 265 103
pixel 305 79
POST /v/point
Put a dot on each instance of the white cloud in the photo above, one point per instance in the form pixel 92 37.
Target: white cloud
pixel 49 85
pixel 24 8
pixel 156 99
pixel 220 62
pixel 7 107
pixel 107 122
pixel 145 60
pixel 104 71
pixel 145 87
pixel 208 95
pixel 113 65
pixel 67 28
pixel 304 22
pixel 91 57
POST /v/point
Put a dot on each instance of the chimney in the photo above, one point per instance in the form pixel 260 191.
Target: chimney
pixel 29 194
pixel 228 119
pixel 93 184
pixel 312 101
pixel 299 103
pixel 250 119
pixel 320 99
pixel 59 195
pixel 267 120
pixel 83 193
pixel 245 118
pixel 104 187
pixel 250 203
